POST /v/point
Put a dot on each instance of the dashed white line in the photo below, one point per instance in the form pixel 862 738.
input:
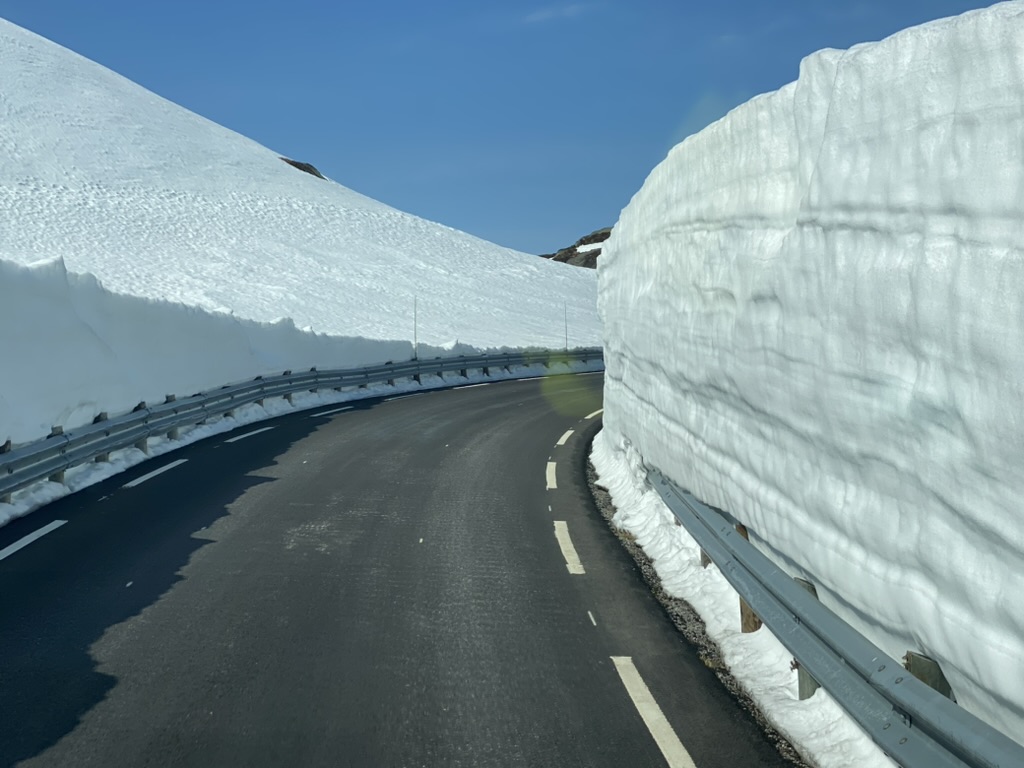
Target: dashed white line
pixel 598 412
pixel 331 413
pixel 154 473
pixel 551 483
pixel 564 438
pixel 24 541
pixel 592 619
pixel 572 560
pixel 669 744
pixel 247 434
pixel 549 507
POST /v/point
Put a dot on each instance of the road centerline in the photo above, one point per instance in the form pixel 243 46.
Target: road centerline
pixel 598 412
pixel 572 560
pixel 24 541
pixel 669 744
pixel 154 473
pixel 332 412
pixel 564 438
pixel 552 483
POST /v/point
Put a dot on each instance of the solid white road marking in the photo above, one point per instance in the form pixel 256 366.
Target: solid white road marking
pixel 470 386
pixel 564 438
pixel 331 413
pixel 247 434
pixel 592 619
pixel 552 485
pixel 669 744
pixel 549 507
pixel 572 560
pixel 598 412
pixel 154 473
pixel 24 541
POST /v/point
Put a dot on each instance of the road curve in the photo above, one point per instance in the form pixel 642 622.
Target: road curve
pixel 416 582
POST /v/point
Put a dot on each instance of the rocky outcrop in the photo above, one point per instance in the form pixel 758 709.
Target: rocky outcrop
pixel 584 252
pixel 307 167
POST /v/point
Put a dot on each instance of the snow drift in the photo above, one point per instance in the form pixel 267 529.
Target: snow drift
pixel 269 268
pixel 814 319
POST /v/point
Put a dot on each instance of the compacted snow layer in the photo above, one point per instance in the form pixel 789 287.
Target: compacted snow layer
pixel 814 319
pixel 146 251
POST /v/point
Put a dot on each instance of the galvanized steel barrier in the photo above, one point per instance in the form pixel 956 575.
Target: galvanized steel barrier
pixel 914 724
pixel 30 463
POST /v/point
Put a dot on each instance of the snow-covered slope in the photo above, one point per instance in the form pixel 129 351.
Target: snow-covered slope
pixel 162 205
pixel 814 319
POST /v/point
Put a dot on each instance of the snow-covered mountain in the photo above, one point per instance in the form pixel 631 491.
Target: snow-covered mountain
pixel 814 319
pixel 192 229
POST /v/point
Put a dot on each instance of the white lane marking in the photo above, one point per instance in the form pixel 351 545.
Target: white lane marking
pixel 592 619
pixel 572 560
pixel 549 507
pixel 669 744
pixel 247 434
pixel 564 438
pixel 403 397
pixel 470 386
pixel 330 413
pixel 552 485
pixel 24 541
pixel 598 412
pixel 154 473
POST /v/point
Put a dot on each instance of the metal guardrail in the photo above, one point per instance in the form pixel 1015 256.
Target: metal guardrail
pixel 914 724
pixel 32 462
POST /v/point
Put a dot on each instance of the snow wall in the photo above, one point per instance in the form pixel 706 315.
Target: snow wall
pixel 814 319
pixel 73 349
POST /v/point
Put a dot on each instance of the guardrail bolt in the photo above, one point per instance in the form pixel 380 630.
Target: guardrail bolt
pixel 806 685
pixel 749 622
pixel 928 671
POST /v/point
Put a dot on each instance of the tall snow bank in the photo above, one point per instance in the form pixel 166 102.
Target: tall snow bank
pixel 814 319
pixel 162 204
pixel 73 349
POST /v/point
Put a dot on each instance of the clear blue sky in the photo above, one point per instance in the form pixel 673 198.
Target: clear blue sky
pixel 526 123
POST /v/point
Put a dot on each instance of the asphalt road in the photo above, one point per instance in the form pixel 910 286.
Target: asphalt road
pixel 380 586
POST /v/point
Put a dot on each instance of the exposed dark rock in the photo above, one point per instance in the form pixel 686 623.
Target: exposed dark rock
pixel 588 258
pixel 307 167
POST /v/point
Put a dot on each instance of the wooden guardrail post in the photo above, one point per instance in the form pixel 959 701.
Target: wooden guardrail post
pixel 806 685
pixel 101 457
pixel 5 498
pixel 749 622
pixel 143 444
pixel 928 671
pixel 173 433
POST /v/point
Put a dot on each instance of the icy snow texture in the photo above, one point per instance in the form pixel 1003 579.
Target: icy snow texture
pixel 164 206
pixel 813 320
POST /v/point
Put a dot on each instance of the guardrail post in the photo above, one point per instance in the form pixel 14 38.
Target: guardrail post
pixel 486 370
pixel 5 498
pixel 101 457
pixel 463 374
pixel 705 561
pixel 313 370
pixel 928 671
pixel 173 433
pixel 143 444
pixel 56 477
pixel 806 685
pixel 749 622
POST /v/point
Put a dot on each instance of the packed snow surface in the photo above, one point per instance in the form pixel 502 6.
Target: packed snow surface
pixel 146 251
pixel 814 319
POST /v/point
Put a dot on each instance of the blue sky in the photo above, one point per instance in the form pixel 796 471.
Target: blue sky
pixel 525 123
